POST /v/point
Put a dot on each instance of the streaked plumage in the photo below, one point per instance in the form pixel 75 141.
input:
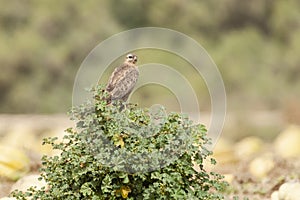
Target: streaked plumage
pixel 123 79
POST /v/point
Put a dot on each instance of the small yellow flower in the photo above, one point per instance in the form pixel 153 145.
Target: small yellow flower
pixel 124 190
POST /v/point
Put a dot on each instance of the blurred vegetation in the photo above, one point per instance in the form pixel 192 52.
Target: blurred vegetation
pixel 255 44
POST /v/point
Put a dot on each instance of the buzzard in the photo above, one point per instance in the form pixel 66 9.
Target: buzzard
pixel 123 79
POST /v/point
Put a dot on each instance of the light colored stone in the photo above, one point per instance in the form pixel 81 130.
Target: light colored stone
pixel 27 181
pixel 248 146
pixel 287 142
pixel 229 178
pixel 14 163
pixel 224 152
pixel 275 196
pixel 8 198
pixel 47 149
pixel 261 166
pixel 22 137
pixel 289 191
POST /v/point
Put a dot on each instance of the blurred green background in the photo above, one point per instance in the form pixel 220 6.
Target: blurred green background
pixel 255 44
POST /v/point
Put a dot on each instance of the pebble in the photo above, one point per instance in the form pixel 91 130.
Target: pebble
pixel 261 166
pixel 287 143
pixel 287 191
pixel 21 137
pixel 14 163
pixel 248 146
pixel 224 152
pixel 27 181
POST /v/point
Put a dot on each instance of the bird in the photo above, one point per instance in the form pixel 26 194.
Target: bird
pixel 123 79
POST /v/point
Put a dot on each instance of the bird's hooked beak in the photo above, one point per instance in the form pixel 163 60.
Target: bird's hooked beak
pixel 134 59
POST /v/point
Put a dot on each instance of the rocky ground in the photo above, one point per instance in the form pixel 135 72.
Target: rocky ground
pixel 259 170
pixel 256 167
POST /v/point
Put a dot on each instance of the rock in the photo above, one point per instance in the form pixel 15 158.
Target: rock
pixel 248 147
pixel 8 198
pixel 275 196
pixel 287 142
pixel 27 181
pixel 289 191
pixel 25 137
pixel 261 166
pixel 22 137
pixel 47 149
pixel 224 152
pixel 229 178
pixel 13 162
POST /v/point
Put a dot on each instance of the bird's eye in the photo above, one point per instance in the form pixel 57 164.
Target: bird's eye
pixel 130 56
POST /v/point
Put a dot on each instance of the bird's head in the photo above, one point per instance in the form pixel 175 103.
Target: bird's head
pixel 131 58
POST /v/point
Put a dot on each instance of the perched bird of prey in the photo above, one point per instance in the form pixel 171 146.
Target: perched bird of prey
pixel 123 79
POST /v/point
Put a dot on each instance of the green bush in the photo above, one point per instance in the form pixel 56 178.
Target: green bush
pixel 120 151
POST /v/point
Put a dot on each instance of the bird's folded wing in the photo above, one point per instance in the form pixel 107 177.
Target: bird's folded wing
pixel 125 84
pixel 116 75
